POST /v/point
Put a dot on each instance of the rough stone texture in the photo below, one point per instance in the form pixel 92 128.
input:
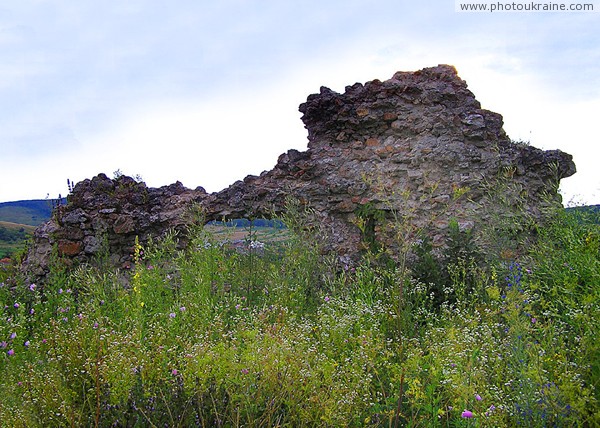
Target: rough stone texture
pixel 398 151
pixel 104 215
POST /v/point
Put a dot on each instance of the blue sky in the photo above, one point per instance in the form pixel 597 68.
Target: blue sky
pixel 207 92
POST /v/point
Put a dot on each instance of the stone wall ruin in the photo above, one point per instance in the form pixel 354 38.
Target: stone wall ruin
pixel 416 149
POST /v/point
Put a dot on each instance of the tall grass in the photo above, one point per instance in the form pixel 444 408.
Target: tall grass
pixel 276 335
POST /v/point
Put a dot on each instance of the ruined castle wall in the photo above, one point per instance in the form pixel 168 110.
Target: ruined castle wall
pixel 415 150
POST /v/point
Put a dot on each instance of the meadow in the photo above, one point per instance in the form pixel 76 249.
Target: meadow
pixel 274 333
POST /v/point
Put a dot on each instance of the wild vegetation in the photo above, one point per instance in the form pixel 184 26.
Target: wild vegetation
pixel 276 334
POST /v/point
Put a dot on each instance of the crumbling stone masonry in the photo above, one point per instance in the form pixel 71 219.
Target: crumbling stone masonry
pixel 415 150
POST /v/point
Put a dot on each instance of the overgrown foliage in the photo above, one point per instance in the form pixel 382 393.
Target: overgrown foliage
pixel 276 335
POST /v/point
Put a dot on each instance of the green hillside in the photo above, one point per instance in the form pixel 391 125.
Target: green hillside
pixel 13 237
pixel 32 213
pixel 18 220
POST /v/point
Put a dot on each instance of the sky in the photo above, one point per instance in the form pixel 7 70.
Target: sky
pixel 207 92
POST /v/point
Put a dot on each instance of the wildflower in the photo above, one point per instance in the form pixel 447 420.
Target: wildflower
pixel 32 287
pixel 95 325
pixel 245 371
pixel 256 245
pixel 477 397
pixel 533 320
pixel 174 372
pixel 3 344
pixel 467 414
pixel 172 315
pixel 44 340
pixel 26 344
pixel 11 352
pixel 60 291
pixel 182 309
pixel 326 298
pixel 13 335
pixel 16 305
pixel 31 311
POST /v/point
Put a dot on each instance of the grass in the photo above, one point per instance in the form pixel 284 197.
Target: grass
pixel 275 334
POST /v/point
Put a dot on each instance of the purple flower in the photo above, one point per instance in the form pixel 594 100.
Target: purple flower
pixel 31 311
pixel 32 287
pixel 467 414
pixel 326 298
pixel 245 371
pixel 60 291
pixel 26 344
pixel 11 352
pixel 16 305
pixel 477 397
pixel 182 309
pixel 95 325
pixel 13 335
pixel 172 315
pixel 174 372
pixel 3 344
pixel 533 320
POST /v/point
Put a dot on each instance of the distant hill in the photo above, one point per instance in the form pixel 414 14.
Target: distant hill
pixel 32 212
pixel 19 219
pixel 13 237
